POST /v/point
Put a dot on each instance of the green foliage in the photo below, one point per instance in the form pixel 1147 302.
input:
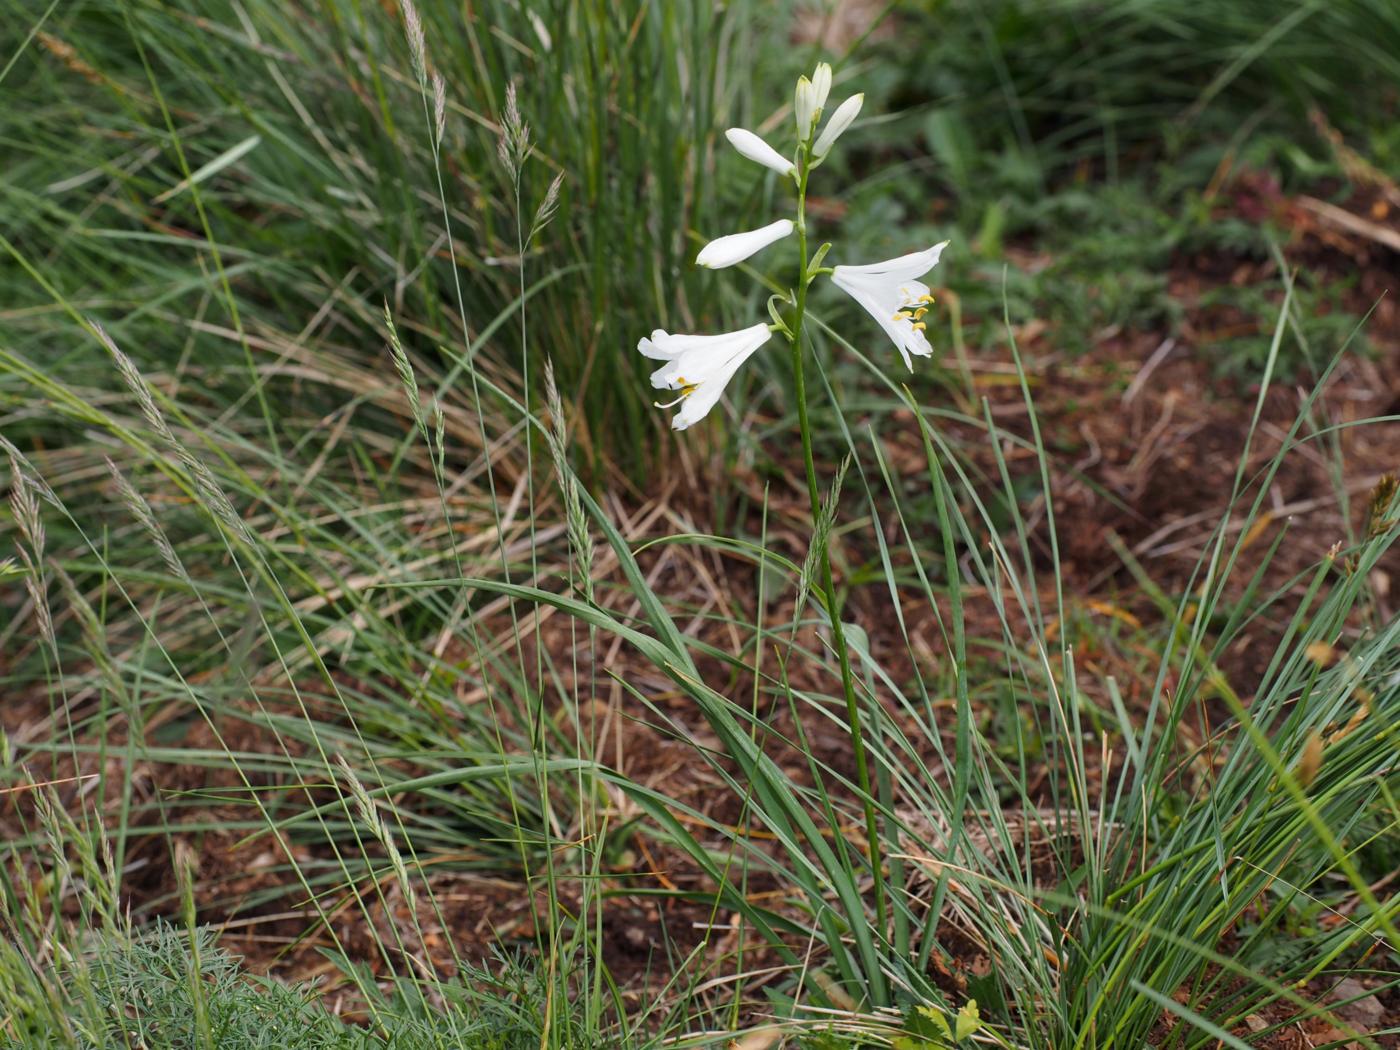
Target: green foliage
pixel 1318 325
pixel 348 554
pixel 242 169
pixel 928 1028
pixel 1032 93
pixel 147 995
pixel 1076 151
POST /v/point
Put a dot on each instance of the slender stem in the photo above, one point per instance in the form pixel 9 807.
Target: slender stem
pixel 537 717
pixel 838 634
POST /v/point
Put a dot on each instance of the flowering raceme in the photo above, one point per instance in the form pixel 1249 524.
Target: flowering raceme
pixel 699 366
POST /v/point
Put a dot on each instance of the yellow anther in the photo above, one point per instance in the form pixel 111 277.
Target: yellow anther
pixel 920 312
pixel 919 326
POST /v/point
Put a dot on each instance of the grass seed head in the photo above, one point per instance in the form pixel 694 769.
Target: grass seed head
pixel 417 47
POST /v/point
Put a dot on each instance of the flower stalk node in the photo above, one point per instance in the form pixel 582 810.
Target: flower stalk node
pixel 775 304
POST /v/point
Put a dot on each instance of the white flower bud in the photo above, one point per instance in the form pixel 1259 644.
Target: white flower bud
pixel 736 247
pixel 753 147
pixel 821 87
pixel 804 108
pixel 842 119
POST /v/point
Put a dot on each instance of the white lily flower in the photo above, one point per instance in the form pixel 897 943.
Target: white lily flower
pixel 699 366
pixel 842 119
pixel 736 247
pixel 893 294
pixel 753 147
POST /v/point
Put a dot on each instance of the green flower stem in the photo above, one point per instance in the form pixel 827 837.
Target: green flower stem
pixel 838 634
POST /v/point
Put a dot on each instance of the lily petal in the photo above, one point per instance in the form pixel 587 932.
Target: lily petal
pixel 736 247
pixel 697 406
pixel 906 267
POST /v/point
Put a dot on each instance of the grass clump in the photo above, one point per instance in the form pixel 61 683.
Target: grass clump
pixel 241 173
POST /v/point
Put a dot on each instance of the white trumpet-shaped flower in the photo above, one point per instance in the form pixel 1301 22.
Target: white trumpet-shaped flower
pixel 735 248
pixel 893 294
pixel 842 119
pixel 753 147
pixel 699 367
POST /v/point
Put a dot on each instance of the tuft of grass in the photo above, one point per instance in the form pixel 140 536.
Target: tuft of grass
pixel 252 185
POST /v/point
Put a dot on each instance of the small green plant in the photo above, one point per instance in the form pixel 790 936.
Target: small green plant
pixel 929 1028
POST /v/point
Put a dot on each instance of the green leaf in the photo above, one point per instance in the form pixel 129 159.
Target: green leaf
pixel 232 155
pixel 925 1029
pixel 969 1020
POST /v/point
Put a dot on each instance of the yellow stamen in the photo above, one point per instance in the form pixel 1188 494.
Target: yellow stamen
pixel 919 326
pixel 686 389
pixel 920 312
